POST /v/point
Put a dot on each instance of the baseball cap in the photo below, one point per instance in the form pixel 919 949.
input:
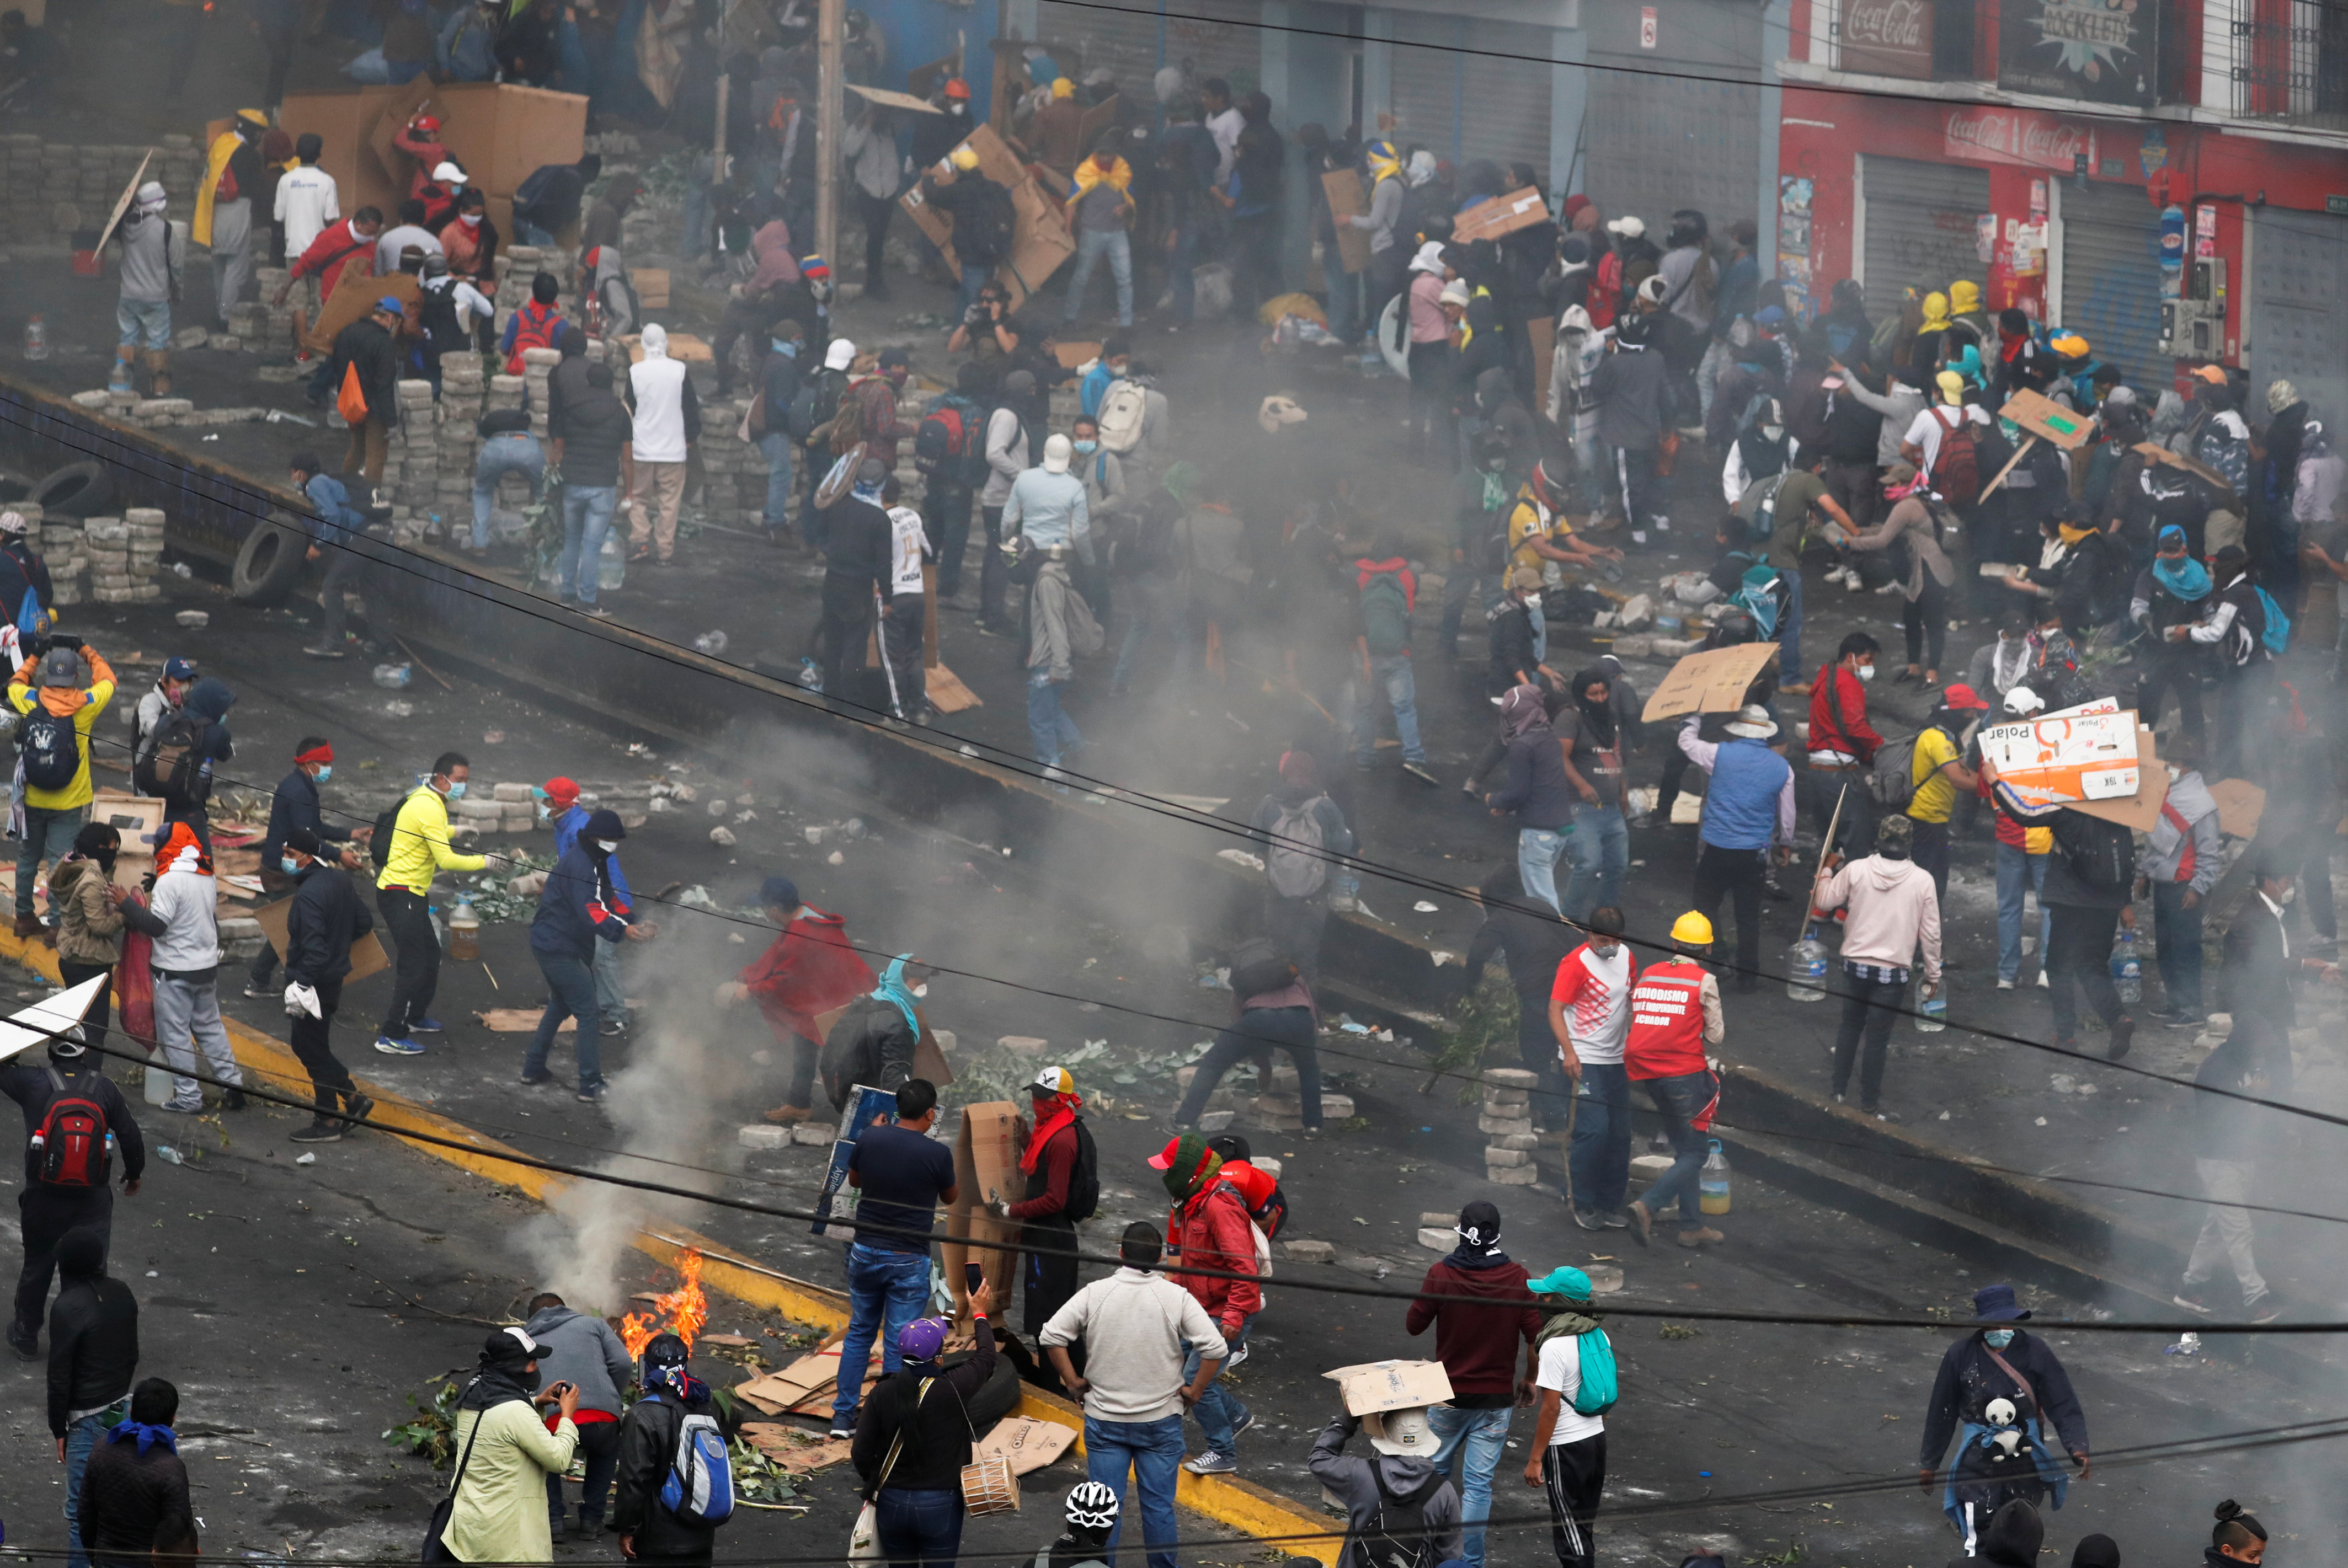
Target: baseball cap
pixel 957 89
pixel 923 1338
pixel 178 668
pixel 1963 696
pixel 389 304
pixel 2215 374
pixel 1569 1283
pixel 1627 227
pixel 559 791
pixel 1056 1080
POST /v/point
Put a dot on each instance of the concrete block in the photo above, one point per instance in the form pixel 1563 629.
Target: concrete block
pixel 1498 1126
pixel 1649 1166
pixel 1511 1078
pixel 758 1135
pixel 1437 1240
pixel 1025 1045
pixel 513 792
pixel 1336 1107
pixel 812 1134
pixel 1516 1141
pixel 1216 1120
pixel 1499 1159
pixel 1511 1177
pixel 1504 1099
pixel 1309 1251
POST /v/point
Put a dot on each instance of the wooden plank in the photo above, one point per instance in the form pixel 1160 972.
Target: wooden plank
pixel 122 203
pixel 894 100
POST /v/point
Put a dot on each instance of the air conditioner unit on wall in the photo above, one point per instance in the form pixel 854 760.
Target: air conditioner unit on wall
pixel 2194 327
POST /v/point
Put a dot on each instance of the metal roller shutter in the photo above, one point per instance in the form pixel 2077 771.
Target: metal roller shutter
pixel 1510 98
pixel 1921 222
pixel 1652 144
pixel 2111 277
pixel 1426 83
pixel 1126 41
pixel 1227 44
pixel 2297 326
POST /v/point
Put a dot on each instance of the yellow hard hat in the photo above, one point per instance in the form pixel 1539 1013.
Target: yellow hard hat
pixel 963 157
pixel 1692 929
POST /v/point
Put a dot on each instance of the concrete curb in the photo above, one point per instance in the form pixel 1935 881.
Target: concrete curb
pixel 1243 1505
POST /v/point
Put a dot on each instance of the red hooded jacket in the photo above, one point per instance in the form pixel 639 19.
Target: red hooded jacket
pixel 1213 1230
pixel 808 970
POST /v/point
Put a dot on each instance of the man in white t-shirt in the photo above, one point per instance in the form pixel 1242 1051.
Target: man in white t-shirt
pixel 307 204
pixel 1568 1448
pixel 1922 444
pixel 1590 1013
pixel 903 620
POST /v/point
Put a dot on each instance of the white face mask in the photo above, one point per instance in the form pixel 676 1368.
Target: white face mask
pixel 2175 772
pixel 607 846
pixel 1773 432
pixel 920 991
pixel 1606 952
pixel 1864 671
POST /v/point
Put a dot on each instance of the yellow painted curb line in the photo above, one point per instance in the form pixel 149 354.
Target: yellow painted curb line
pixel 1227 1500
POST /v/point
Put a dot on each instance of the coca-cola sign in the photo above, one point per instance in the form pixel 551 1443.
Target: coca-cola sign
pixel 2012 136
pixel 2098 51
pixel 1888 39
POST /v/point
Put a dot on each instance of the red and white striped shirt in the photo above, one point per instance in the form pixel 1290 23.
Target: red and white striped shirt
pixel 1596 992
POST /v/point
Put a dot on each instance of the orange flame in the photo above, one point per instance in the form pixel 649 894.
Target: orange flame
pixel 681 1312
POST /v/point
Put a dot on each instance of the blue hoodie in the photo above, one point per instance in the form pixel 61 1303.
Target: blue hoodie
pixel 571 916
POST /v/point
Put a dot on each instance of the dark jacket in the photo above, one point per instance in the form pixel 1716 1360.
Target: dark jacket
pixel 2011 1539
pixel 1509 638
pixel 296 804
pixel 936 1429
pixel 2064 886
pixel 2255 977
pixel 860 541
pixel 964 195
pixel 327 917
pixel 29 1083
pixel 870 1043
pixel 567 382
pixel 1969 1380
pixel 647 1449
pixel 571 913
pixel 1537 789
pixel 206 708
pixel 596 425
pixel 780 381
pixel 1534 945
pixel 1478 1345
pixel 93 1346
pixel 134 1504
pixel 1361 1485
pixel 370 348
pixel 21 569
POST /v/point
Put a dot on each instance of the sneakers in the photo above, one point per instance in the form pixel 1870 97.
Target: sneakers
pixel 2003 984
pixel 611 1028
pixel 1422 773
pixel 1211 1463
pixel 786 1114
pixel 1642 1223
pixel 533 1080
pixel 2190 1298
pixel 1615 1220
pixel 1247 1419
pixel 1235 1359
pixel 425 1026
pixel 257 991
pixel 232 1099
pixel 590 1094
pixel 2123 1032
pixel 2042 980
pixel 390 1047
pixel 319 1132
pixel 2263 1308
pixel 1700 1237
pixel 841 1434
pixel 360 1107
pixel 1589 1219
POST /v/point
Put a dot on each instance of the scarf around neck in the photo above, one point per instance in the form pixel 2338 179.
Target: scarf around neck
pixel 147 1436
pixel 893 991
pixel 2186 578
pixel 1063 1114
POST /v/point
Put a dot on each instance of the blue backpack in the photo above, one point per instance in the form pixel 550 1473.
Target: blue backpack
pixel 2278 632
pixel 699 1488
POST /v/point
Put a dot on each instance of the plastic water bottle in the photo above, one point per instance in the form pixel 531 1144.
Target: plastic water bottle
pixel 1806 967
pixel 1712 1182
pixel 392 677
pixel 1932 1011
pixel 610 565
pixel 37 337
pixel 2128 970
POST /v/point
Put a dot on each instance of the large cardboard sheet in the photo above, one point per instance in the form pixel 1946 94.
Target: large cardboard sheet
pixel 2138 812
pixel 1710 681
pixel 1347 199
pixel 986 1164
pixel 2240 804
pixel 2156 454
pixel 355 295
pixel 1040 242
pixel 367 957
pixel 1029 1444
pixel 1500 215
pixel 894 100
pixel 2044 417
pixel 2066 758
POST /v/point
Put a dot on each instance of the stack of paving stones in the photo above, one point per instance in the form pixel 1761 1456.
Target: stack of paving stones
pixel 633 799
pixel 412 469
pixel 537 364
pixel 145 526
pixel 52 188
pixel 462 386
pixel 502 808
pixel 1507 1124
pixel 108 558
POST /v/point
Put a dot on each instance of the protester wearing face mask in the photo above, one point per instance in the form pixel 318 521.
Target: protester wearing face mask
pixel 1998 1361
pixel 2172 592
pixel 418 852
pixel 2259 964
pixel 1590 1020
pixel 1759 452
pixel 872 1041
pixel 93 912
pixel 1843 742
pixel 1051 1147
pixel 326 916
pixel 296 805
pixel 499 1514
pixel 558 803
pixel 580 905
pixel 156 706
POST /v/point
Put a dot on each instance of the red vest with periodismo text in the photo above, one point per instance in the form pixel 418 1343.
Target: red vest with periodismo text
pixel 1666 1035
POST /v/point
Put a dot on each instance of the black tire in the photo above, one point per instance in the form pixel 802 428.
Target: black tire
pixel 75 490
pixel 996 1397
pixel 268 566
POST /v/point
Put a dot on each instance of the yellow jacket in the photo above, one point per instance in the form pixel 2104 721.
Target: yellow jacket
pixel 84 707
pixel 419 844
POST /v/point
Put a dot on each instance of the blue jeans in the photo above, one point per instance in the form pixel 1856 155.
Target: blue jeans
pixel 919 1527
pixel 1602 852
pixel 80 1439
pixel 1789 630
pixel 1152 603
pixel 586 518
pixel 1345 300
pixel 1600 1159
pixel 516 452
pixel 1091 246
pixel 1679 1100
pixel 2177 934
pixel 1152 1451
pixel 1477 1437
pixel 1055 734
pixel 1217 1413
pixel 777 449
pixel 2015 868
pixel 48 835
pixel 1536 852
pixel 1391 674
pixel 147 320
pixel 973 280
pixel 572 982
pixel 886 1290
pixel 1181 257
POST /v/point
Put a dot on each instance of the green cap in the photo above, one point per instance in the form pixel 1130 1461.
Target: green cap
pixel 1569 1283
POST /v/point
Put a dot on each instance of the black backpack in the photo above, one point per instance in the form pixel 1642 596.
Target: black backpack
pixel 50 749
pixel 1258 967
pixel 990 216
pixel 1083 1182
pixel 387 823
pixel 816 403
pixel 2100 854
pixel 173 767
pixel 1396 1535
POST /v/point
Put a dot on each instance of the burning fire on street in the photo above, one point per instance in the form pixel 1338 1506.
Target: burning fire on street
pixel 681 1312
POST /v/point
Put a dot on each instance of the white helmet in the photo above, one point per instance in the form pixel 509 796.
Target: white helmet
pixel 1401 1432
pixel 1092 1506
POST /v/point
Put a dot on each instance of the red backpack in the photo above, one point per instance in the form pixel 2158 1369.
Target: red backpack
pixel 1956 467
pixel 70 1146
